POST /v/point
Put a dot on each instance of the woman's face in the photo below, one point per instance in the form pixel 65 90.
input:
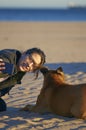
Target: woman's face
pixel 28 63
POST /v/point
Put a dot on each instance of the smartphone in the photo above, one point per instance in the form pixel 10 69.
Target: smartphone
pixel 9 68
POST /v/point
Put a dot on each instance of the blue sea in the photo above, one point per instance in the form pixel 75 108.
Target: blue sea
pixel 43 14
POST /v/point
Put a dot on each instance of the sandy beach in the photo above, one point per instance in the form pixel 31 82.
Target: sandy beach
pixel 65 45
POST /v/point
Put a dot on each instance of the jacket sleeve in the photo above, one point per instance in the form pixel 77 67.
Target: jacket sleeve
pixel 8 55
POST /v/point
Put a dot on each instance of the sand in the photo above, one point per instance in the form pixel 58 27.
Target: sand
pixel 65 45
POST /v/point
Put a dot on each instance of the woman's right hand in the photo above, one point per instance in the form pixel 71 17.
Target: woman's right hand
pixel 2 65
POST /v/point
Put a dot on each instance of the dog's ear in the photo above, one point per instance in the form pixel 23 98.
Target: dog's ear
pixel 59 70
pixel 44 70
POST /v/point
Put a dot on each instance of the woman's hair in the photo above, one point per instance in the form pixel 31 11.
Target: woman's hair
pixel 38 51
pixel 42 55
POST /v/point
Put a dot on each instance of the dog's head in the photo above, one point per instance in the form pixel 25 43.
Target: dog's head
pixel 53 75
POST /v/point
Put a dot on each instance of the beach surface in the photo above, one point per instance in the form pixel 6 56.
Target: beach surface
pixel 64 44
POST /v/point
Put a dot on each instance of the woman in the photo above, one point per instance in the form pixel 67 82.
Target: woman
pixel 29 61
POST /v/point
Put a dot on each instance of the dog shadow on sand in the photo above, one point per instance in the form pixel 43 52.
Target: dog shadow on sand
pixel 17 120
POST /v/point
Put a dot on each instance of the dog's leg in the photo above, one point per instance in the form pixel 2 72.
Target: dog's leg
pixel 40 106
pixel 36 108
pixel 78 111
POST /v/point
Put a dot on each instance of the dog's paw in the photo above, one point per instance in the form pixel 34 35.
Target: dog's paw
pixel 26 108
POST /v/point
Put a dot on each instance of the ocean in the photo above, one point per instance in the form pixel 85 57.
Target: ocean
pixel 43 14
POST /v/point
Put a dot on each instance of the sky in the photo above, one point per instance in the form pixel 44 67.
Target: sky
pixel 41 3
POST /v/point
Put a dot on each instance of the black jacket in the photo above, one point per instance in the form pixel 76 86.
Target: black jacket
pixel 10 56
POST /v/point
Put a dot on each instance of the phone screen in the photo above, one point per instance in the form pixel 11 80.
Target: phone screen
pixel 9 68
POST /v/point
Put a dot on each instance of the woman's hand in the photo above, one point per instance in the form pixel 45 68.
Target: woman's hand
pixel 2 65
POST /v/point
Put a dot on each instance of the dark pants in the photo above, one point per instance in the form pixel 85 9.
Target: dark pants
pixel 3 106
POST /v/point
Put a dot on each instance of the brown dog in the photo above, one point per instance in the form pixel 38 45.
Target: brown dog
pixel 58 97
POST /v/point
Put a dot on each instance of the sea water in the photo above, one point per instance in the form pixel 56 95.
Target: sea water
pixel 42 14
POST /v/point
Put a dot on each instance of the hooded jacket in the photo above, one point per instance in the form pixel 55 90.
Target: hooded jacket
pixel 10 56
